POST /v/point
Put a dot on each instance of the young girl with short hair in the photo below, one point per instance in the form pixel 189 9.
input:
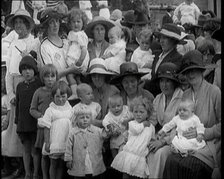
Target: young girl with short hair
pixel 57 123
pixel 132 159
pixel 40 102
pixel 77 54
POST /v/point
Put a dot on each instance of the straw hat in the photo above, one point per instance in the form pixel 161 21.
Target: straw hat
pixel 170 30
pixel 98 66
pixel 127 69
pixel 98 20
pixel 20 13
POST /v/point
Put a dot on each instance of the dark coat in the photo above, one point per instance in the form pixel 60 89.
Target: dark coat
pixel 167 19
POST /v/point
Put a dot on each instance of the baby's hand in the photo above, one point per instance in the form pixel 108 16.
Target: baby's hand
pixel 69 165
pixel 200 137
pixel 161 134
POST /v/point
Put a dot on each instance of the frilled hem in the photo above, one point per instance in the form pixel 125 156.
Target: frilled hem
pixel 131 164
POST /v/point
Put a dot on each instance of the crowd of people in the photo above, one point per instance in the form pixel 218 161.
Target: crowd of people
pixel 108 96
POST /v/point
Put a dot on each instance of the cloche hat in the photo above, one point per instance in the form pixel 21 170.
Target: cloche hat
pixel 98 66
pixel 168 70
pixel 126 69
pixel 28 60
pixel 21 13
pixel 192 60
pixel 98 20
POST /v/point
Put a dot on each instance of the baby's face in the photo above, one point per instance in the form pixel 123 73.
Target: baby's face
pixel 87 96
pixel 144 44
pixel 113 37
pixel 140 113
pixel 185 111
pixel 83 120
pixel 76 24
pixel 116 106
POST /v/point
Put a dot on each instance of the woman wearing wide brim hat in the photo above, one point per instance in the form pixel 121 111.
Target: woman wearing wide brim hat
pixel 207 99
pixel 97 30
pixel 24 15
pixel 98 76
pixel 165 104
pixel 129 82
pixel 169 37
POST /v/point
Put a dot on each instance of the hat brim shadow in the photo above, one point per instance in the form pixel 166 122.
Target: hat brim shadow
pixel 192 67
pixel 106 23
pixel 118 79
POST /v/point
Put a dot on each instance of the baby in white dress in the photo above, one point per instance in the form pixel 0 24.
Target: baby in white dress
pixel 85 94
pixel 115 121
pixel 183 121
pixel 115 54
pixel 132 159
pixel 77 54
pixel 142 56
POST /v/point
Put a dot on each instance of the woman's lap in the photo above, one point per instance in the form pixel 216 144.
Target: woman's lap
pixel 186 167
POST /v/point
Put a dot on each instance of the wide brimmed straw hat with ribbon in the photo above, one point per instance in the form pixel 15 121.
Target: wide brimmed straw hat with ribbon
pixel 170 30
pixel 98 20
pixel 168 70
pixel 21 13
pixel 98 66
pixel 192 60
pixel 127 69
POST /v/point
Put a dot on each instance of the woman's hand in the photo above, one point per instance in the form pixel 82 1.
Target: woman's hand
pixel 155 145
pixel 13 101
pixel 190 133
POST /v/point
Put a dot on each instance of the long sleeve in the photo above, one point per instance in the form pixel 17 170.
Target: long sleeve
pixel 17 106
pixel 34 107
pixel 170 125
pixel 46 121
pixel 69 147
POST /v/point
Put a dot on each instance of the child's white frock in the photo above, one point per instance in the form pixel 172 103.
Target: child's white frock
pixel 132 160
pixel 57 118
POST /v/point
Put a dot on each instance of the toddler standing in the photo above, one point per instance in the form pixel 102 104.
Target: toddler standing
pixel 83 154
pixel 40 102
pixel 115 54
pixel 183 121
pixel 26 124
pixel 132 159
pixel 77 54
pixel 142 56
pixel 57 123
pixel 115 121
pixel 85 94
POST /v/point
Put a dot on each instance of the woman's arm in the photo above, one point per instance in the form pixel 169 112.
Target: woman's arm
pixel 82 56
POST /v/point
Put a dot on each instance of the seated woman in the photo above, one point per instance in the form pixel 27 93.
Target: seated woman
pixel 166 104
pixel 206 162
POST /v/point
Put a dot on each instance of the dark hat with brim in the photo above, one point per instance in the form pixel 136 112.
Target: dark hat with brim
pixel 48 14
pixel 141 18
pixel 23 14
pixel 192 60
pixel 98 20
pixel 127 69
pixel 128 18
pixel 170 30
pixel 167 70
pixel 28 61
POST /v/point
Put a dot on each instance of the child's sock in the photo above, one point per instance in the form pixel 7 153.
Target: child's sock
pixel 74 93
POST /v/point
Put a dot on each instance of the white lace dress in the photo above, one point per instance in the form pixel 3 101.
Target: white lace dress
pixel 58 119
pixel 132 160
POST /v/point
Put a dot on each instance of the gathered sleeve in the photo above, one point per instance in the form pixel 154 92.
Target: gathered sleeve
pixel 170 125
pixel 47 118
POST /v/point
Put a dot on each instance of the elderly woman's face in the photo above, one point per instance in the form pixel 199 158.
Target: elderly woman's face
pixel 99 32
pixel 167 86
pixel 20 27
pixel 53 26
pixel 98 80
pixel 130 84
pixel 166 43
